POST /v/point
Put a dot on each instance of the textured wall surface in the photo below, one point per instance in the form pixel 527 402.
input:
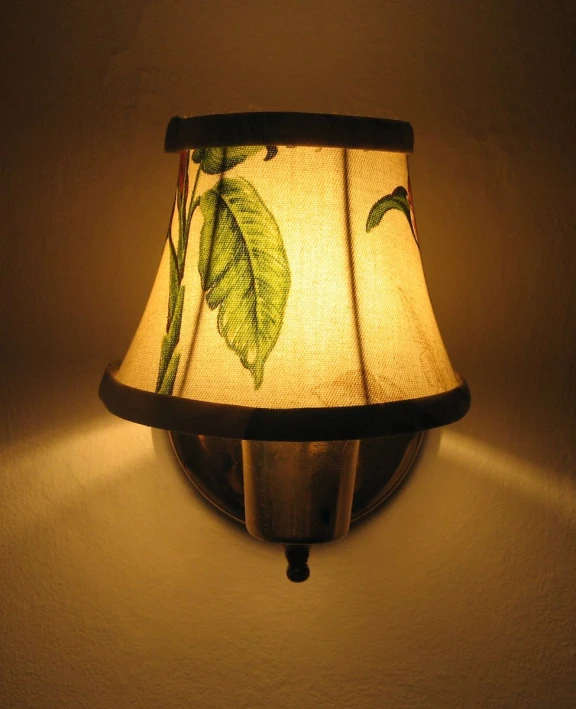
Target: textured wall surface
pixel 118 587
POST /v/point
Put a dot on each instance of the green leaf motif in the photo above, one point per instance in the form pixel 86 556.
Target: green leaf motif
pixel 170 377
pixel 271 152
pixel 244 271
pixel 214 161
pixel 397 200
pixel 174 279
pixel 168 357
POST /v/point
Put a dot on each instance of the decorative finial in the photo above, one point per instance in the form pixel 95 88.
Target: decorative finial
pixel 297 558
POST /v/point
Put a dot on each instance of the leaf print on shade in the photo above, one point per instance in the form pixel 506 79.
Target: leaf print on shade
pixel 271 152
pixel 244 270
pixel 214 161
pixel 381 389
pixel 169 357
pixel 184 209
pixel 398 199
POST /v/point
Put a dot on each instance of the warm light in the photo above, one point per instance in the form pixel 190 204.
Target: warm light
pixel 290 303
pixel 295 310
pixel 291 278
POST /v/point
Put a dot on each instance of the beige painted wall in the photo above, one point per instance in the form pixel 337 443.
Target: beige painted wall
pixel 118 587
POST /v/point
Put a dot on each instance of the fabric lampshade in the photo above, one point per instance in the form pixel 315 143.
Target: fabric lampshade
pixel 290 301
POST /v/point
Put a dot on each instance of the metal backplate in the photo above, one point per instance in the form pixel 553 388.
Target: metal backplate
pixel 214 467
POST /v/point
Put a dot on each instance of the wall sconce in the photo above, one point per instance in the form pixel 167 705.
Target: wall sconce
pixel 289 343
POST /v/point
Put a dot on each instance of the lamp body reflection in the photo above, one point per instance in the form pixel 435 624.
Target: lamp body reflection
pixel 299 493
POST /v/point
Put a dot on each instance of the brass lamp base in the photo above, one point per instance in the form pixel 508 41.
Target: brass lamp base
pixel 214 467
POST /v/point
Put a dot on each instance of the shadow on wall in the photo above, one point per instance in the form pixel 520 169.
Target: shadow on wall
pixel 540 486
pixel 49 470
pixel 115 573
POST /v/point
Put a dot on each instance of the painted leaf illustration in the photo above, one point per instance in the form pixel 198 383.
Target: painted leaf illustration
pixel 217 160
pixel 169 358
pixel 271 152
pixel 397 200
pixel 244 270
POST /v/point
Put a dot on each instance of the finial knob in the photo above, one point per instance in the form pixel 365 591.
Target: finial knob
pixel 297 558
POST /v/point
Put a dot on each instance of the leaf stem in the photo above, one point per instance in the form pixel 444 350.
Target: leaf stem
pixel 175 259
pixel 186 223
pixel 169 358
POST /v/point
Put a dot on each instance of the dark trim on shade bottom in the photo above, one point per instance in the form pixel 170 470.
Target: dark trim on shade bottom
pixel 174 413
pixel 276 128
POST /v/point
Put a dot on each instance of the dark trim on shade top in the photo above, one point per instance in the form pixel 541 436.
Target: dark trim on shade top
pixel 275 128
pixel 174 413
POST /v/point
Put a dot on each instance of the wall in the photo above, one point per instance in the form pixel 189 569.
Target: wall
pixel 119 587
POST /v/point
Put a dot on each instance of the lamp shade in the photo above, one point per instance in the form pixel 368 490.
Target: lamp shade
pixel 290 301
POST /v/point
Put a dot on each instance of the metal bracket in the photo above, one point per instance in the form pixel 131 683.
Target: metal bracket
pixel 214 467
